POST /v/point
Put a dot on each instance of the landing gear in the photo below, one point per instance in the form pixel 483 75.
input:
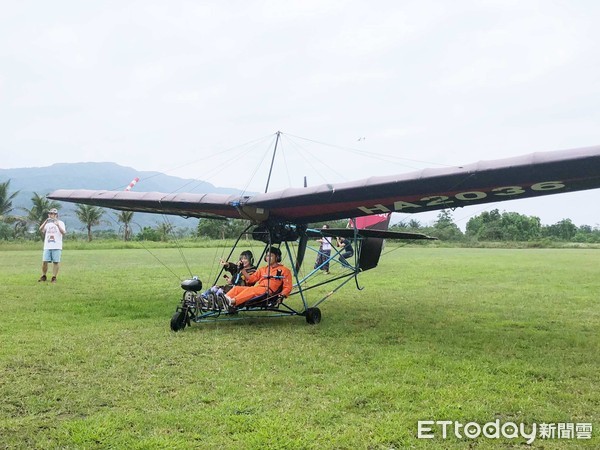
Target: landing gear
pixel 313 316
pixel 213 305
pixel 179 320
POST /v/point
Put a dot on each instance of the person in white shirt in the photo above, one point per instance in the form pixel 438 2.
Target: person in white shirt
pixel 324 253
pixel 53 231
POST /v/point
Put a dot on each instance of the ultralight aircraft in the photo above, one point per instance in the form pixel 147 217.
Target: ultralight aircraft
pixel 282 217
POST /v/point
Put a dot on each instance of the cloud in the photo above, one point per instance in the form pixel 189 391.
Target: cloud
pixel 150 84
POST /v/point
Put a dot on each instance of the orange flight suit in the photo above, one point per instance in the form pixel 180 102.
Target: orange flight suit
pixel 259 282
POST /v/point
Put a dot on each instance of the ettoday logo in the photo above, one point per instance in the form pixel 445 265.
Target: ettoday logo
pixel 432 429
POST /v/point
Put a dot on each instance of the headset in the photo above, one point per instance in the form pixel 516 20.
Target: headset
pixel 275 251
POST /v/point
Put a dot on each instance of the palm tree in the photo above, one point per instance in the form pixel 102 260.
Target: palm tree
pixel 6 199
pixel 164 229
pixel 90 216
pixel 41 205
pixel 19 223
pixel 415 224
pixel 125 217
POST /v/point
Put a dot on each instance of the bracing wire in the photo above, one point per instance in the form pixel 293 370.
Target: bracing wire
pixel 162 263
pixel 374 155
pixel 214 154
pixel 285 163
pixel 237 152
pixel 309 161
pixel 234 151
pixel 170 230
pixel 218 171
pixel 302 155
pixel 141 243
pixel 398 247
pixel 253 174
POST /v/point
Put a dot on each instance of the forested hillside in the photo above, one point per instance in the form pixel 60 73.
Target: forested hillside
pixel 98 175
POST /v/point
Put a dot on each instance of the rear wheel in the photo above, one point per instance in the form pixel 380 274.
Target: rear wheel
pixel 313 316
pixel 179 320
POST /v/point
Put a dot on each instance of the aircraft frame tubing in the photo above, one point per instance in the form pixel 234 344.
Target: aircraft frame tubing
pixel 240 314
pixel 337 288
pixel 301 290
pixel 332 258
pixel 220 272
pixel 199 314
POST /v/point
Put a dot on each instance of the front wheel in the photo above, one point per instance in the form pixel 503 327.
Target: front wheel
pixel 179 320
pixel 313 316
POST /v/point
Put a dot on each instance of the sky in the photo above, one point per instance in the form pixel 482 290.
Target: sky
pixel 198 89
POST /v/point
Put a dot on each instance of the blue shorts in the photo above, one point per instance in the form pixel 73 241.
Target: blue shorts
pixel 52 255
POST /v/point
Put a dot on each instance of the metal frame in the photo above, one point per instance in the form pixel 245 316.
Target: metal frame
pixel 196 312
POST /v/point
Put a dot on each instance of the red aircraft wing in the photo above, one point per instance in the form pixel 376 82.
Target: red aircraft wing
pixel 526 176
pixel 216 206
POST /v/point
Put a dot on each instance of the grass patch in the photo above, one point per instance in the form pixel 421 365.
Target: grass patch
pixel 437 333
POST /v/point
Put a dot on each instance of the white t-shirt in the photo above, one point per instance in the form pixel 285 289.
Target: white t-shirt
pixel 326 243
pixel 53 238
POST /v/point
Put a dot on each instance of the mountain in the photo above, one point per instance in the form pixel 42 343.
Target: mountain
pixel 105 175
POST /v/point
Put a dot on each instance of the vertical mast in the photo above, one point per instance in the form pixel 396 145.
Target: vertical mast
pixel 272 161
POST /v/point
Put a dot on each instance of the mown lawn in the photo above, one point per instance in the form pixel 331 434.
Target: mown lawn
pixel 436 334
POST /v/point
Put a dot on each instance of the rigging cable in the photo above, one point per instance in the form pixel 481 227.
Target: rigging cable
pixel 309 161
pixel 141 243
pixel 253 174
pixel 214 154
pixel 380 156
pixel 170 229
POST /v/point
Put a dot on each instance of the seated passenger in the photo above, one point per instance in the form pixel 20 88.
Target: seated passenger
pixel 246 263
pixel 268 280
pixel 237 278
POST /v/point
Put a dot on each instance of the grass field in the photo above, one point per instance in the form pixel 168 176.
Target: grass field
pixel 469 335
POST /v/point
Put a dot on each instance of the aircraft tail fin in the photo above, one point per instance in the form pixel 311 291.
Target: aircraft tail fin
pixel 370 248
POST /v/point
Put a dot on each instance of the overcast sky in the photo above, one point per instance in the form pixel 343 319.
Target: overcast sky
pixel 178 86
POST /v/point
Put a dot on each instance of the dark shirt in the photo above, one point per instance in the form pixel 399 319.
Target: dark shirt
pixel 237 279
pixel 347 246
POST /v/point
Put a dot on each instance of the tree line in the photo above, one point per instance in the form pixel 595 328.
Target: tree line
pixel 487 226
pixel 504 227
pixel 25 225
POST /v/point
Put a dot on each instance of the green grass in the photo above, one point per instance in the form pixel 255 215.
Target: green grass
pixel 437 334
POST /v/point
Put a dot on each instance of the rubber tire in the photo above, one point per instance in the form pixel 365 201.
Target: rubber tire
pixel 313 316
pixel 179 320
